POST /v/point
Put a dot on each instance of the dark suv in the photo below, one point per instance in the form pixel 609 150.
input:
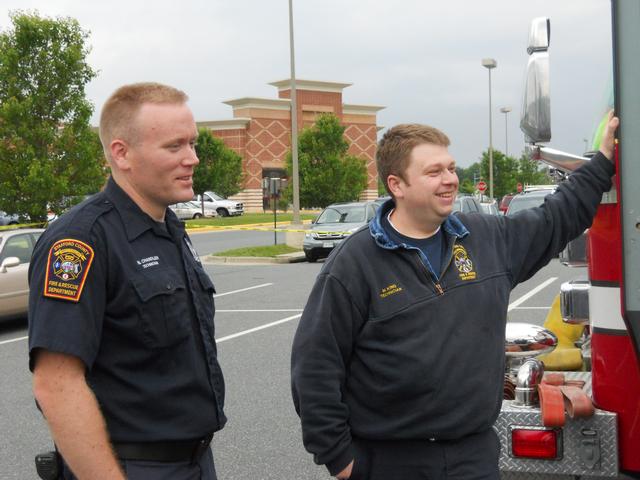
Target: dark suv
pixel 466 205
pixel 335 223
pixel 525 200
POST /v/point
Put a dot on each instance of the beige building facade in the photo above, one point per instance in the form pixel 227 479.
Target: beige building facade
pixel 260 132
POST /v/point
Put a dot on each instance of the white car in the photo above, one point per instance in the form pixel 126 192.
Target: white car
pixel 222 206
pixel 8 219
pixel 189 210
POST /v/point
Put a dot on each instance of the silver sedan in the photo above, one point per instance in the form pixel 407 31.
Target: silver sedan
pixel 189 210
pixel 16 247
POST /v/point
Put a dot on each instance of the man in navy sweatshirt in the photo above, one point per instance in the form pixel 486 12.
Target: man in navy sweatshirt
pixel 398 360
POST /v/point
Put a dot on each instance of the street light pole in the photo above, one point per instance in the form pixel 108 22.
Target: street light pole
pixel 506 111
pixel 294 125
pixel 490 63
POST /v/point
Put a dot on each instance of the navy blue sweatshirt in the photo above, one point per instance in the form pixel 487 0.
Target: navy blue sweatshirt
pixel 386 351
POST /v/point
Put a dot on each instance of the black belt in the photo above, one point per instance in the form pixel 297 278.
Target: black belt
pixel 178 451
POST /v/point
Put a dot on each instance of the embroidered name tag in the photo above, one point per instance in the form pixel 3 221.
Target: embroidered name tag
pixel 390 290
pixel 67 268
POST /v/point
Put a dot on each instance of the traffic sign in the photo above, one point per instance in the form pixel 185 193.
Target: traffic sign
pixel 481 186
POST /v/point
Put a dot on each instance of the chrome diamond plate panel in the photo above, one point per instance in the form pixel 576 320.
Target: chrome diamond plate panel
pixel 573 440
pixel 533 476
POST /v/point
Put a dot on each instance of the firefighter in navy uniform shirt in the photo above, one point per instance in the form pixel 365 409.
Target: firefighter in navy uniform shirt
pixel 121 334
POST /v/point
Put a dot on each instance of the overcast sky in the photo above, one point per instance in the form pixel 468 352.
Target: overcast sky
pixel 421 59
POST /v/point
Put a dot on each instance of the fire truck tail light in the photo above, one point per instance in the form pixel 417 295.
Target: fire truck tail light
pixel 535 443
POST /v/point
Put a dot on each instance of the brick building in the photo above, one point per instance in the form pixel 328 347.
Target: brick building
pixel 260 131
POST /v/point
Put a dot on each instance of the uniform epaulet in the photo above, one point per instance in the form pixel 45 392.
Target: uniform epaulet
pixel 82 218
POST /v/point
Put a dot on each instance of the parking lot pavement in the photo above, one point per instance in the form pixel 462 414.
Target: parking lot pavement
pixel 254 329
pixel 258 308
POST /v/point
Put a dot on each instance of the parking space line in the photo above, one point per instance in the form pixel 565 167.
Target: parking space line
pixel 532 308
pixel 531 293
pixel 262 327
pixel 252 311
pixel 13 340
pixel 242 290
pixel 513 306
pixel 229 337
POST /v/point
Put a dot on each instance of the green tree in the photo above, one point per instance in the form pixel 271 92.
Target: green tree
pixel 49 152
pixel 508 172
pixel 505 172
pixel 328 174
pixel 382 191
pixel 531 172
pixel 220 168
pixel 468 177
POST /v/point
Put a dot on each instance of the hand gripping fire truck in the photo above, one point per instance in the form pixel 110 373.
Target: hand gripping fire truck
pixel 585 422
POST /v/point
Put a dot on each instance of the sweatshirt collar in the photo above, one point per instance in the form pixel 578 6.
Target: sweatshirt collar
pixel 451 226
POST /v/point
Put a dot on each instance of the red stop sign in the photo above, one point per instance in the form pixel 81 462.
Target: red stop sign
pixel 481 186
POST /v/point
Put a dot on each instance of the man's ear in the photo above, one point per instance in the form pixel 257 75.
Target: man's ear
pixel 395 185
pixel 120 154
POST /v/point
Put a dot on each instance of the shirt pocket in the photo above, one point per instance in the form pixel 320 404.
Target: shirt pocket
pixel 163 308
pixel 205 295
pixel 205 281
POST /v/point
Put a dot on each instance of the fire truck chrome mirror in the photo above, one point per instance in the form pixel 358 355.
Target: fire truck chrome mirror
pixel 535 118
pixel 539 35
pixel 574 302
pixel 575 253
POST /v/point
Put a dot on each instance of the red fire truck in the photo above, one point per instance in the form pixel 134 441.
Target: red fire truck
pixel 606 307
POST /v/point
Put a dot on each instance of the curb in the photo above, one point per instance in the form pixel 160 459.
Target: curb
pixel 279 259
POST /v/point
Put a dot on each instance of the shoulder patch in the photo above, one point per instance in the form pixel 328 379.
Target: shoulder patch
pixel 67 268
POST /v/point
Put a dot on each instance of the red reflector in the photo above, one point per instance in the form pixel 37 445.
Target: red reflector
pixel 534 443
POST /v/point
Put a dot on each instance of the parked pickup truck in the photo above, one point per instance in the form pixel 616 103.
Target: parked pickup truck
pixel 222 206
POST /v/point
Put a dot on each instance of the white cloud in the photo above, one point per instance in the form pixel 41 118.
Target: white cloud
pixel 419 58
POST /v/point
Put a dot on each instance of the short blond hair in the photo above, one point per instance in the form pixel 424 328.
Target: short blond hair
pixel 395 147
pixel 117 119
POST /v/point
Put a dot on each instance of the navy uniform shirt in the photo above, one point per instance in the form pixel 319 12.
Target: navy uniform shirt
pixel 130 298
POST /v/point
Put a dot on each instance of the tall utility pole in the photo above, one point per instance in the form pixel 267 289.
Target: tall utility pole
pixel 506 111
pixel 490 63
pixel 294 125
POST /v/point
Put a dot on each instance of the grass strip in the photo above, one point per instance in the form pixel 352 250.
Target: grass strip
pixel 266 251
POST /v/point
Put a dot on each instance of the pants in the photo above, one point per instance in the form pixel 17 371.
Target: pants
pixel 474 457
pixel 139 470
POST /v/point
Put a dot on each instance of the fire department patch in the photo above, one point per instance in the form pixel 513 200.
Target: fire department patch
pixel 67 268
pixel 463 263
